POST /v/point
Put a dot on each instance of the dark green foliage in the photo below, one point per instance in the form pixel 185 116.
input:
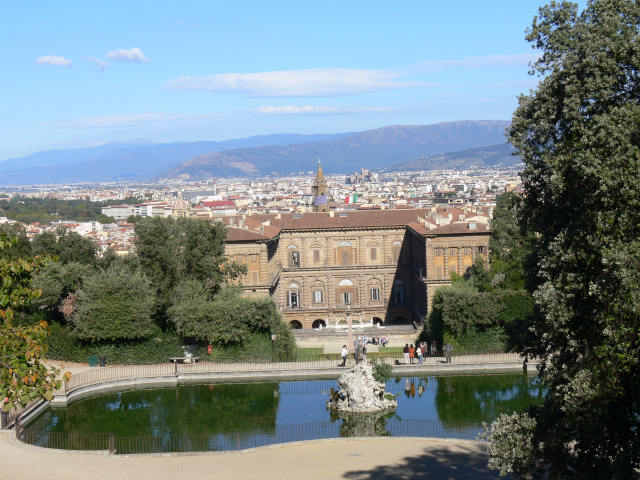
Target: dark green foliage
pixel 67 246
pixel 174 250
pixel 226 319
pixel 114 305
pixel 382 371
pixel 45 210
pixel 20 249
pixel 159 347
pixel 57 280
pixel 579 135
pixel 476 340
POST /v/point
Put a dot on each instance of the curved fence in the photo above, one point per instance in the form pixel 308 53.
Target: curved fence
pixel 119 373
pixel 226 442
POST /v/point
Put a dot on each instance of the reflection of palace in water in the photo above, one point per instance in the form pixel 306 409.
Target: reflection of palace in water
pixel 382 265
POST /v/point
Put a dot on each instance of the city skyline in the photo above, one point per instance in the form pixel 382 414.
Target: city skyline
pixel 88 74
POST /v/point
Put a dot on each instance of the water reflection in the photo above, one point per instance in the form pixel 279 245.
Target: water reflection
pixel 220 410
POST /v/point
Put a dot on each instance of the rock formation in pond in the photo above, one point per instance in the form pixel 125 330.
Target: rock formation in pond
pixel 360 392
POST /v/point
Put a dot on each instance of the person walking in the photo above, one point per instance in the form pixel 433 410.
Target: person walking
pixel 405 350
pixel 434 348
pixel 419 352
pixel 412 353
pixel 448 348
pixel 344 354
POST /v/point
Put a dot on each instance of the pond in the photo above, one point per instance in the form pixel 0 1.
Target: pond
pixel 456 405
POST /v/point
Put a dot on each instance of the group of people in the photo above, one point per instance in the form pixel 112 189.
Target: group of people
pixel 424 350
pixel 365 340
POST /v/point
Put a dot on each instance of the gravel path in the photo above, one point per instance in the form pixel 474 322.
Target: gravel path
pixel 356 459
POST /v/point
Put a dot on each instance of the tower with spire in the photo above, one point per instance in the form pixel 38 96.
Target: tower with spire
pixel 319 191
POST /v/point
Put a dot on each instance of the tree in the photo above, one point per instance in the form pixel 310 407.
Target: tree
pixel 114 304
pixel 67 246
pixel 173 250
pixel 578 133
pixel 509 247
pixel 23 376
pixel 56 281
pixel 227 318
pixel 22 247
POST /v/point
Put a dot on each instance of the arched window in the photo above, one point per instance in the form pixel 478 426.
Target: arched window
pixel 294 296
pixel 398 292
pixel 317 295
pixel 344 251
pixel 294 255
pixel 373 252
pixel 395 251
pixel 316 253
pixel 346 292
pixel 375 291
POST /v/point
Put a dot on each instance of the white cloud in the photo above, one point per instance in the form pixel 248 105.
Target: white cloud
pixel 310 109
pixel 116 121
pixel 515 60
pixel 133 55
pixel 54 60
pixel 100 64
pixel 297 83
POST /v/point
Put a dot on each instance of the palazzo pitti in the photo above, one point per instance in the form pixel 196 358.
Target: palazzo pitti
pixel 380 265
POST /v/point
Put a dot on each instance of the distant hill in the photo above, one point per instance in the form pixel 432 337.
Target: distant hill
pixel 139 160
pixel 379 149
pixel 491 156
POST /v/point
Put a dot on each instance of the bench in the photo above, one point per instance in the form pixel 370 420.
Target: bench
pixel 184 359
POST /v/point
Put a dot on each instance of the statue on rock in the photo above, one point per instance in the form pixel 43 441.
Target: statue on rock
pixel 360 392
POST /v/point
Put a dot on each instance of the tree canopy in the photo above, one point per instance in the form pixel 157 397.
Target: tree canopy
pixel 579 135
pixel 114 304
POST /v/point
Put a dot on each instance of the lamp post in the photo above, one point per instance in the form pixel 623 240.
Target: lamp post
pixel 273 339
pixel 350 329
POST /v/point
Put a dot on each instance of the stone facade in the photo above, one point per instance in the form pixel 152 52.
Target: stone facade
pixel 377 265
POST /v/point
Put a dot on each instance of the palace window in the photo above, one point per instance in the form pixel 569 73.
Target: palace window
pixel 344 253
pixel 294 295
pixel 375 294
pixel 346 298
pixel 317 296
pixel 395 251
pixel 398 292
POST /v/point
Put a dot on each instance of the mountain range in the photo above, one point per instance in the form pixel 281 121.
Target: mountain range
pixel 411 147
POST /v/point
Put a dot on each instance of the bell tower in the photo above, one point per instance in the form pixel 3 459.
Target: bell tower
pixel 319 191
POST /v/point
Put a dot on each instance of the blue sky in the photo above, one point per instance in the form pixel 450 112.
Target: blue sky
pixel 79 74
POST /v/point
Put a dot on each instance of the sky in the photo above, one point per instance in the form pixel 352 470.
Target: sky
pixel 80 74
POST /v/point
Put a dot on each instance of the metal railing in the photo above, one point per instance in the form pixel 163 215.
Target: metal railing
pixel 318 363
pixel 8 418
pixel 114 374
pixel 226 442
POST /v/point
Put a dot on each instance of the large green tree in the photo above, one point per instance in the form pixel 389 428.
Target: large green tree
pixel 23 375
pixel 67 246
pixel 579 135
pixel 174 250
pixel 114 304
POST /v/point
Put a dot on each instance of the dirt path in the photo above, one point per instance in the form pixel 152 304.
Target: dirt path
pixel 379 458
